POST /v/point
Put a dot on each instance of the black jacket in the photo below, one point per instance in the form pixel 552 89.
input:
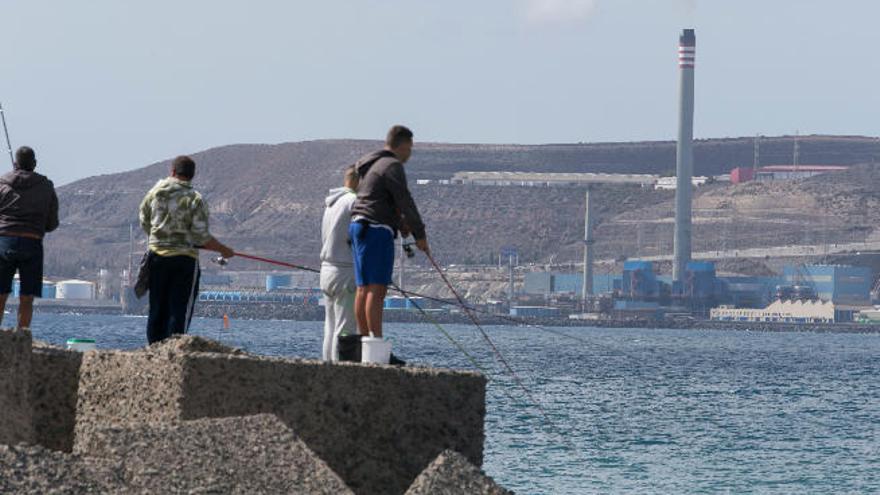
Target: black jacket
pixel 28 203
pixel 382 194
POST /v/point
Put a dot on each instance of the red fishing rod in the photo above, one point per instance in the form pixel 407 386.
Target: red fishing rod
pixel 222 261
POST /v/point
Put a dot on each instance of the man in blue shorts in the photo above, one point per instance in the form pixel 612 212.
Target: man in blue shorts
pixel 384 207
pixel 28 209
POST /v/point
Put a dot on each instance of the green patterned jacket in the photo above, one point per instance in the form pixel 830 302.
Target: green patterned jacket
pixel 176 218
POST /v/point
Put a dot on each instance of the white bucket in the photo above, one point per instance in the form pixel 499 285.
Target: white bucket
pixel 375 350
pixel 81 345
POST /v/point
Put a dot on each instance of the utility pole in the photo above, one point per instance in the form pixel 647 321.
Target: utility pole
pixel 797 150
pixel 756 159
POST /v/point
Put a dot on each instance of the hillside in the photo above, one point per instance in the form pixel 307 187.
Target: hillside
pixel 268 199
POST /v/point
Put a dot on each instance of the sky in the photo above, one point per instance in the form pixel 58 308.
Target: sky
pixel 105 86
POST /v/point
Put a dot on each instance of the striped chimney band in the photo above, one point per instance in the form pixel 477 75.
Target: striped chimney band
pixel 686 56
pixel 687 49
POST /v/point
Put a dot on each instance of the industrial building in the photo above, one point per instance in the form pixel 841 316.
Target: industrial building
pixel 552 283
pixel 781 172
pixel 815 311
pixel 671 183
pixel 833 283
pixel 535 179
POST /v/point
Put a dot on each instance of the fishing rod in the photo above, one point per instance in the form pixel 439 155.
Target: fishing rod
pixel 6 131
pixel 565 439
pixel 272 262
pixel 519 321
pixel 494 348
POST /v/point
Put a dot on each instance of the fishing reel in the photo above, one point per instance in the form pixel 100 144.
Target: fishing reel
pixel 220 260
pixel 408 249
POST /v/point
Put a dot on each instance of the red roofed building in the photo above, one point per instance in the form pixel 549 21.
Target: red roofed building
pixel 782 172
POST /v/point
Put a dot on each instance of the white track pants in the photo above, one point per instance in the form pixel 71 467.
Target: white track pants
pixel 338 286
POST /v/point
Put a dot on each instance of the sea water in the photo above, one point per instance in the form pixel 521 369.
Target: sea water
pixel 626 410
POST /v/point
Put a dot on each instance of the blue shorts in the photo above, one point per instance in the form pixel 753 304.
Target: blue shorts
pixel 26 256
pixel 373 250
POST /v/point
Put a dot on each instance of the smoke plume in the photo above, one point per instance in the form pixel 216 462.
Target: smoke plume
pixel 559 11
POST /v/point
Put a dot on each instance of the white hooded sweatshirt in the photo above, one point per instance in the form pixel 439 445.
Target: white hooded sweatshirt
pixel 335 246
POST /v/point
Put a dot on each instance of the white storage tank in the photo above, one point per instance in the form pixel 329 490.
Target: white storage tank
pixel 75 289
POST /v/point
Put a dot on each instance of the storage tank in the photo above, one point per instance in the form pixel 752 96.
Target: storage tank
pixel 48 290
pixel 75 289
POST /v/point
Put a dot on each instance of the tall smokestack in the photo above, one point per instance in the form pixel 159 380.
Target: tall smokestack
pixel 684 155
pixel 587 287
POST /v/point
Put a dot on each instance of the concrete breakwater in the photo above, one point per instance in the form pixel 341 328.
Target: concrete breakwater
pixel 190 414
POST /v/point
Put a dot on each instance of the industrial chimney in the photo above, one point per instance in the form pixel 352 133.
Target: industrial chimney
pixel 587 287
pixel 684 155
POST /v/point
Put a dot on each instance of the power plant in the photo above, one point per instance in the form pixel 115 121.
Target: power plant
pixel 684 156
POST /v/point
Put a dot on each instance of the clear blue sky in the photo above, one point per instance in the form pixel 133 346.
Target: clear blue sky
pixel 107 85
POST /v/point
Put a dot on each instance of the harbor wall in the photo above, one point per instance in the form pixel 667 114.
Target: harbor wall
pixel 15 399
pixel 378 427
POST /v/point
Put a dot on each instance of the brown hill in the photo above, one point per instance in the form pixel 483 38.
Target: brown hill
pixel 268 199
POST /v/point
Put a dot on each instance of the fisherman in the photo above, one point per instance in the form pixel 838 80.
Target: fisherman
pixel 176 218
pixel 383 206
pixel 28 210
pixel 337 270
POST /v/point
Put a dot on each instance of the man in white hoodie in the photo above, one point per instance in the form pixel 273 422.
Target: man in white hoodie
pixel 337 269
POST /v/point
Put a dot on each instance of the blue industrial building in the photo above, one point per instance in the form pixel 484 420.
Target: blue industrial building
pixel 639 280
pixel 835 283
pixel 241 296
pixel 701 286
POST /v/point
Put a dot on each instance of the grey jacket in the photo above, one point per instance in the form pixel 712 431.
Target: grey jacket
pixel 382 194
pixel 335 245
pixel 28 203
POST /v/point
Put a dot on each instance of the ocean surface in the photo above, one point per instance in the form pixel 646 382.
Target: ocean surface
pixel 628 411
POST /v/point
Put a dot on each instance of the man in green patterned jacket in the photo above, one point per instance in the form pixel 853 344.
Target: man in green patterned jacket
pixel 176 218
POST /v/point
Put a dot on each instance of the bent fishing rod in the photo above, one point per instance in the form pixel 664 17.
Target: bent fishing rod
pixel 6 132
pixel 468 311
pixel 519 321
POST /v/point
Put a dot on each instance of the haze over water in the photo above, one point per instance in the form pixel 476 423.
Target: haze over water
pixel 636 411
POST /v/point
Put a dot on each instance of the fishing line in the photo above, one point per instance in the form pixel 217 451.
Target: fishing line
pixel 467 309
pixel 442 330
pixel 460 302
pixel 495 349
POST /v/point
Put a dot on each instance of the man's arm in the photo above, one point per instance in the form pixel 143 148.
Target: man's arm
pixel 199 227
pixel 215 245
pixel 395 180
pixel 145 214
pixel 52 218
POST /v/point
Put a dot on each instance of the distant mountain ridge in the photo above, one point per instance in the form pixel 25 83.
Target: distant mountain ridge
pixel 269 198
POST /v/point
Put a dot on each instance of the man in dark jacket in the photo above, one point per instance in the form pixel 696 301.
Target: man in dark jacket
pixel 28 209
pixel 383 208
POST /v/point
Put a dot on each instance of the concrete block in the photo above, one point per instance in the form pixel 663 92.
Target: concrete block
pixel 32 469
pixel 15 402
pixel 376 426
pixel 452 474
pixel 53 388
pixel 251 454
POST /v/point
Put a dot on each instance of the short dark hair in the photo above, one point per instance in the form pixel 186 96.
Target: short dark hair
pixel 25 158
pixel 351 175
pixel 184 167
pixel 398 135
